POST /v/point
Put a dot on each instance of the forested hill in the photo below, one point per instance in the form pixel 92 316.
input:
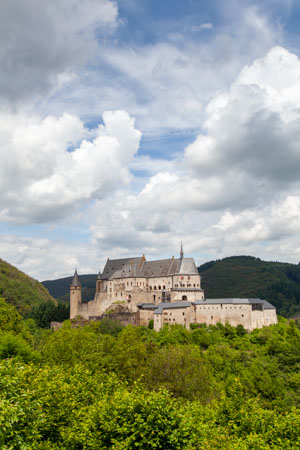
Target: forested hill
pixel 246 276
pixel 60 288
pixel 21 290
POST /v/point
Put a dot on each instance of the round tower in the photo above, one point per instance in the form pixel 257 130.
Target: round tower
pixel 75 295
pixel 98 282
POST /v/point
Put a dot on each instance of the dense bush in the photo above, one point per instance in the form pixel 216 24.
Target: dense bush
pixel 106 386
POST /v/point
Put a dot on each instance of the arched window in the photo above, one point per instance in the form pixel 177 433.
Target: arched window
pixel 154 288
pixel 159 287
pixel 150 288
pixel 184 297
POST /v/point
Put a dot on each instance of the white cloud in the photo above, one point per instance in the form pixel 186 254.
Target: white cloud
pixel 41 44
pixel 42 181
pixel 167 83
pixel 202 26
pixel 43 258
pixel 252 131
pixel 236 190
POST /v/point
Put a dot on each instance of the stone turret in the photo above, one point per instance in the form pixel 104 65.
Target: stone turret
pixel 75 295
pixel 98 282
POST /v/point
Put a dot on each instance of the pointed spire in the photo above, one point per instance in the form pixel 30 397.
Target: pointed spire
pixel 75 281
pixel 99 276
pixel 181 251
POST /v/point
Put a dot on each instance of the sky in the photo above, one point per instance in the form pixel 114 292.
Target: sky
pixel 129 126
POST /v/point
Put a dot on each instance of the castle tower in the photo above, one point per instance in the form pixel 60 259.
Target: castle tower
pixel 75 295
pixel 98 282
pixel 181 251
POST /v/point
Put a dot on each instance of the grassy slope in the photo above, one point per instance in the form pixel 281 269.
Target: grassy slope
pixel 60 288
pixel 21 290
pixel 246 276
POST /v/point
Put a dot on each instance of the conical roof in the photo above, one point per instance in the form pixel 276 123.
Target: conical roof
pixel 75 281
pixel 181 251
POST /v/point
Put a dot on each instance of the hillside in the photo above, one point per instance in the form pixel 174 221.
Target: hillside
pixel 21 290
pixel 60 288
pixel 246 276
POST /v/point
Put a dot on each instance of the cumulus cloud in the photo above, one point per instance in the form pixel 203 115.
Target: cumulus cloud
pixel 43 44
pixel 252 131
pixel 44 258
pixel 236 190
pixel 167 83
pixel 40 180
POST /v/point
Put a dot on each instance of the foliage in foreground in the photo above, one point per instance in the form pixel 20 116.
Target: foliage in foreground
pixel 105 386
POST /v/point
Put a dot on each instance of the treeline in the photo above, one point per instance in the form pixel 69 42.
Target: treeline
pixel 107 386
pixel 246 276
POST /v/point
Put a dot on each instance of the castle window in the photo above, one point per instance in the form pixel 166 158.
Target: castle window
pixel 194 285
pixel 183 314
pixel 150 288
pixel 164 287
pixel 159 287
pixel 211 317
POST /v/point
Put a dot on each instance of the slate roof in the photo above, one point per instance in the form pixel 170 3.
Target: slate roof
pixel 139 267
pixel 268 305
pixel 184 289
pixel 188 266
pixel 75 282
pixel 172 305
pixel 161 267
pixel 147 306
pixel 116 266
pixel 235 301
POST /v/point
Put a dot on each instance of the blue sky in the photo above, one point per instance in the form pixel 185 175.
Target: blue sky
pixel 128 126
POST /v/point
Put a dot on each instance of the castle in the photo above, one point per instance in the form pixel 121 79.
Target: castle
pixel 165 291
